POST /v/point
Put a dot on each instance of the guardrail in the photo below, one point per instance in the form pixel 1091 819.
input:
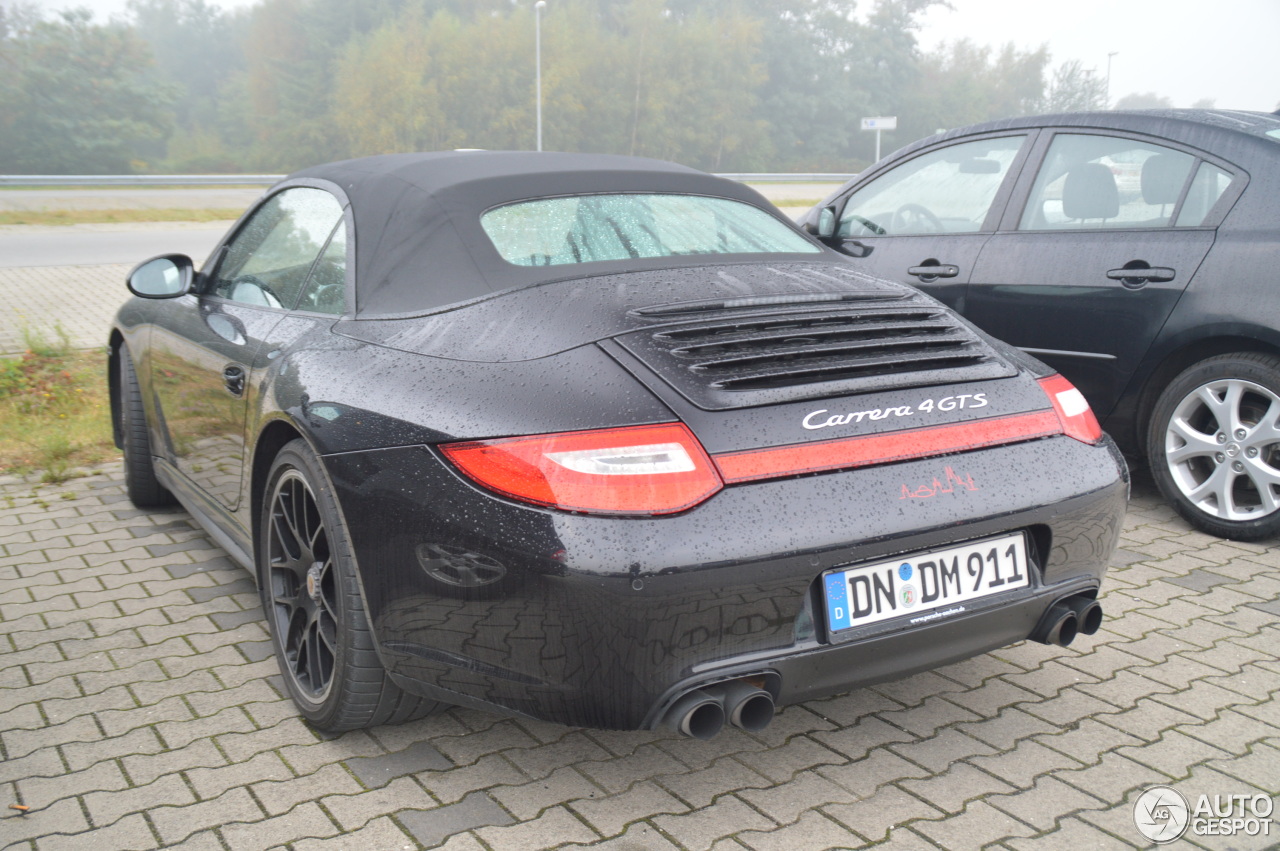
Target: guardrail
pixel 139 179
pixel 269 179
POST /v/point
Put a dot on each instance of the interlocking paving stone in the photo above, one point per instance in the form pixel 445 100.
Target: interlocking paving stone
pixel 141 707
pixel 874 818
pixel 526 800
pixel 701 787
pixel 380 833
pixel 949 791
pixel 699 830
pixel 353 810
pixel 378 770
pixel 574 748
pixel 431 827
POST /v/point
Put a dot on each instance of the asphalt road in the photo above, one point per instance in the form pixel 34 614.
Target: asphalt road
pixel 129 198
pixel 94 245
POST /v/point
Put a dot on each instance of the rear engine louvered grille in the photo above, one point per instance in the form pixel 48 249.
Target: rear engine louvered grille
pixel 752 355
pixel 728 361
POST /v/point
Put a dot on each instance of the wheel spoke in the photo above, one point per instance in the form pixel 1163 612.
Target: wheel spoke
pixel 1214 493
pixel 1232 399
pixel 1195 443
pixel 1267 430
pixel 1266 480
pixel 297 517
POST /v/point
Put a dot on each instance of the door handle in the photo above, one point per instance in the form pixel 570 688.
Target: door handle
pixel 233 377
pixel 934 270
pixel 1137 277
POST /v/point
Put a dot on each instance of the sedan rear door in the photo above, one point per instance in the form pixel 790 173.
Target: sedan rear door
pixel 1093 254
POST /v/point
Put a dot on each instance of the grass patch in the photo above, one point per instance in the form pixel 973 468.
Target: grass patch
pixel 94 217
pixel 55 413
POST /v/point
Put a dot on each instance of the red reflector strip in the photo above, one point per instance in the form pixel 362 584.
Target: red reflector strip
pixel 869 449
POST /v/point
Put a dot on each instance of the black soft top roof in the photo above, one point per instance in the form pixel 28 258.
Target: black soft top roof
pixel 417 235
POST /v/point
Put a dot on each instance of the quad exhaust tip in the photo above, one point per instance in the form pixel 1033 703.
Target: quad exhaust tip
pixel 1067 618
pixel 702 713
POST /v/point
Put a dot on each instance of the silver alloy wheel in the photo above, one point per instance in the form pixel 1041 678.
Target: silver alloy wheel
pixel 1222 448
pixel 302 586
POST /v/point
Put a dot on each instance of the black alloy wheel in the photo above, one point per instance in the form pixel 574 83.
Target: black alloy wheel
pixel 1214 445
pixel 313 606
pixel 303 587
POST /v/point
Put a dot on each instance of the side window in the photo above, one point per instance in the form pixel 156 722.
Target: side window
pixel 326 290
pixel 1209 184
pixel 1106 182
pixel 949 190
pixel 267 262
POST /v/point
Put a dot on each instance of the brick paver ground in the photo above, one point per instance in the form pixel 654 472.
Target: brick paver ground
pixel 140 708
pixel 79 300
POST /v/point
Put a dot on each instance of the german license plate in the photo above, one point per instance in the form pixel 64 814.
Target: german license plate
pixel 925 585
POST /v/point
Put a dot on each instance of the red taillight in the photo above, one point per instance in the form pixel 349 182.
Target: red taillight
pixel 865 450
pixel 657 469
pixel 1073 411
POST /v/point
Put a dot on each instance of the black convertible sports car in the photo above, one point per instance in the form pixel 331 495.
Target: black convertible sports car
pixel 599 440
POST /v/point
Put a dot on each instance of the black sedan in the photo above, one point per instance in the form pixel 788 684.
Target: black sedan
pixel 1132 251
pixel 599 440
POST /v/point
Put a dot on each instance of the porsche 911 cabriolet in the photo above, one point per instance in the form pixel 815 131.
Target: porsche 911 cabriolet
pixel 599 440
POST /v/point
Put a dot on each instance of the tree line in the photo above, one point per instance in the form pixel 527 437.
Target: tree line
pixel 735 85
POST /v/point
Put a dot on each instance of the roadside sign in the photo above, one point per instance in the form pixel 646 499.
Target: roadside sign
pixel 884 123
pixel 889 122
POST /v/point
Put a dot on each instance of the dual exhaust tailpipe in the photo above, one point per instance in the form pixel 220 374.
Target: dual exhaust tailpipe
pixel 1078 615
pixel 702 713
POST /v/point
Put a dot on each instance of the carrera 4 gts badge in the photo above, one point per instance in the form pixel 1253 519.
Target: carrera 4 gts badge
pixel 961 402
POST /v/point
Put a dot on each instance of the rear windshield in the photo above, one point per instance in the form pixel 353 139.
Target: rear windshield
pixel 592 228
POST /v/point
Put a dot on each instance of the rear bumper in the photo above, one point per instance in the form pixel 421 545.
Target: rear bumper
pixel 602 622
pixel 824 669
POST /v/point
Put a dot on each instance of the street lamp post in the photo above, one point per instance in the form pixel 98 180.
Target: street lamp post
pixel 537 39
pixel 1109 55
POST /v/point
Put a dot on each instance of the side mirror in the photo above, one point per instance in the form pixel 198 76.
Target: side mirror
pixel 166 276
pixel 827 222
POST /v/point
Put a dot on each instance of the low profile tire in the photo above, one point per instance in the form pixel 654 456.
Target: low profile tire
pixel 140 482
pixel 314 610
pixel 1214 445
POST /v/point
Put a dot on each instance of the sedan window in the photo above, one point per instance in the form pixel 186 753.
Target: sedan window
pixel 591 228
pixel 949 190
pixel 1106 182
pixel 268 260
pixel 1206 189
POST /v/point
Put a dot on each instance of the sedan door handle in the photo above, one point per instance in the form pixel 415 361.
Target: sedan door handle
pixel 233 376
pixel 1137 277
pixel 934 271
